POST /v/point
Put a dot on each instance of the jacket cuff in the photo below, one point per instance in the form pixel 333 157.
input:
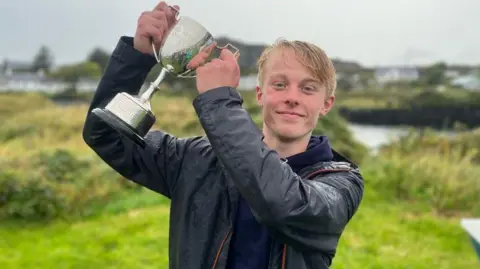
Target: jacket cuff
pixel 125 52
pixel 217 94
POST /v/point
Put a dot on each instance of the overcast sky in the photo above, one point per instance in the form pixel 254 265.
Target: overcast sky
pixel 372 32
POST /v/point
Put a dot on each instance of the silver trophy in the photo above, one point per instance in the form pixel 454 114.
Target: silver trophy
pixel 187 40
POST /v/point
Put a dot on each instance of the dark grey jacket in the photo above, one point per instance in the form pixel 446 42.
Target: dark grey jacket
pixel 204 176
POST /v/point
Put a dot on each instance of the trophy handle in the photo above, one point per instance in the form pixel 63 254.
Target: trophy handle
pixel 177 12
pixel 230 47
pixel 191 73
pixel 177 16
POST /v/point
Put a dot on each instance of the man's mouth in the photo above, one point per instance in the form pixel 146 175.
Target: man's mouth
pixel 290 113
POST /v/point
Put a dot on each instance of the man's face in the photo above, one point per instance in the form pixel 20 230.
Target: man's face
pixel 291 98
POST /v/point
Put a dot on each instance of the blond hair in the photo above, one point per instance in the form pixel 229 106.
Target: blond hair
pixel 310 55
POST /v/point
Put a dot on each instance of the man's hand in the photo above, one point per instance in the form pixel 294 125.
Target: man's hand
pixel 220 72
pixel 202 56
pixel 154 25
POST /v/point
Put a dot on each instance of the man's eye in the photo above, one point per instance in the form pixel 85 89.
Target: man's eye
pixel 309 88
pixel 279 84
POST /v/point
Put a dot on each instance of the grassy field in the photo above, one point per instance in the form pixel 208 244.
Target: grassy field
pixel 382 235
pixel 61 207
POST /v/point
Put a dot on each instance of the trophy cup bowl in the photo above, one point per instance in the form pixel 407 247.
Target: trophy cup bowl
pixel 187 40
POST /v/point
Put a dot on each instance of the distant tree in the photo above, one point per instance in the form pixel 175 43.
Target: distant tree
pixel 43 60
pixel 435 74
pixel 344 84
pixel 74 72
pixel 99 56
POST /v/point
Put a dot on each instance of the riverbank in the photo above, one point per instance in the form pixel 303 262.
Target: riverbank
pixel 411 107
pixel 439 118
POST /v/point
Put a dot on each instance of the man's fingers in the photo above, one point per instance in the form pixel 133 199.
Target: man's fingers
pixel 154 33
pixel 159 15
pixel 149 22
pixel 168 12
pixel 216 62
pixel 227 56
pixel 174 9
pixel 172 14
pixel 198 60
pixel 208 50
pixel 161 6
pixel 157 19
pixel 201 57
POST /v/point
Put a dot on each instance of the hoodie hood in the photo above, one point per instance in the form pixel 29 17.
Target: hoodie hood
pixel 318 150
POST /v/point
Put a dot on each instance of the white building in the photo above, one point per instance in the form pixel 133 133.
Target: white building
pixel 396 74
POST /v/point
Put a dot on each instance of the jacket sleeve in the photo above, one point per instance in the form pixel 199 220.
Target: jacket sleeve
pixel 306 214
pixel 155 167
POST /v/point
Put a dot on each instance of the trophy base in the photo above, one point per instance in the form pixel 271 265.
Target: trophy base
pixel 120 126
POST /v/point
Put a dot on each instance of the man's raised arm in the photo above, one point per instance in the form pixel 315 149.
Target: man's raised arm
pixel 157 165
pixel 309 215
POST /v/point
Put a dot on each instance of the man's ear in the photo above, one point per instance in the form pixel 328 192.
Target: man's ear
pixel 259 95
pixel 327 105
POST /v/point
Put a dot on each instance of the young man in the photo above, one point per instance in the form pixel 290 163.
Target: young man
pixel 240 197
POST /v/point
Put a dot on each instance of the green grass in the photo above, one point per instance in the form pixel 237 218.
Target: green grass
pixel 381 235
pixel 402 235
pixel 135 239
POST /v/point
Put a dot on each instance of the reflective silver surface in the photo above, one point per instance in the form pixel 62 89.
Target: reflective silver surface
pixel 186 39
pixel 129 109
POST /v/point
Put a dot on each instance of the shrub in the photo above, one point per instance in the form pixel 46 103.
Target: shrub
pixel 60 185
pixel 448 182
pixel 429 141
pixel 60 166
pixel 28 198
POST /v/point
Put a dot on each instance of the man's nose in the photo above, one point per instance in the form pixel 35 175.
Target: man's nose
pixel 292 96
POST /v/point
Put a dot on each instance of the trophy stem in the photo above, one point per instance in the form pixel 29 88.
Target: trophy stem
pixel 153 86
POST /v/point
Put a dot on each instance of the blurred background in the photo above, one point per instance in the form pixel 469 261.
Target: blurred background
pixel 407 111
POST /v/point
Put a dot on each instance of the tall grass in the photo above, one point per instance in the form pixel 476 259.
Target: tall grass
pixel 445 174
pixel 463 143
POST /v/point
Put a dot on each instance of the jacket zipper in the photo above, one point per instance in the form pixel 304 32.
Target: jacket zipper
pixel 284 256
pixel 221 248
pixel 320 171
